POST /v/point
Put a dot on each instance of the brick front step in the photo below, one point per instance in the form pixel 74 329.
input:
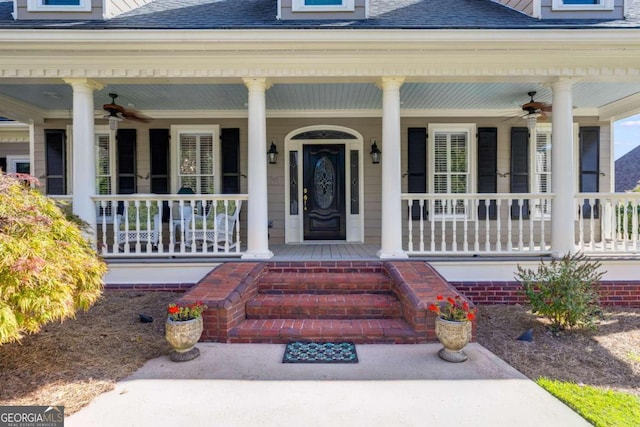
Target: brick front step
pixel 325 283
pixel 325 306
pixel 361 331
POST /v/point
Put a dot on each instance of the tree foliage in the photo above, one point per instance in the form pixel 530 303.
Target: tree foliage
pixel 48 270
pixel 564 290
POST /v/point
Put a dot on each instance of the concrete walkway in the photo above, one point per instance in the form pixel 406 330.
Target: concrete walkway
pixel 392 385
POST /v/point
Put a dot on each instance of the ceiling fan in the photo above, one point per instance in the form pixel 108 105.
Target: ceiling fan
pixel 534 110
pixel 117 113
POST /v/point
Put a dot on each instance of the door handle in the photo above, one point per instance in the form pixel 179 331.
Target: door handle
pixel 304 198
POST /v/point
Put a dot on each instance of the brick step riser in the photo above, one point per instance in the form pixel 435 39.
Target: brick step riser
pixel 328 338
pixel 324 288
pixel 363 331
pixel 323 313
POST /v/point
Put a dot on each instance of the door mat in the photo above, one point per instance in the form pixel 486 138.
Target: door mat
pixel 320 352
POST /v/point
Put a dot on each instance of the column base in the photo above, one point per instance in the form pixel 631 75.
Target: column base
pixel 258 255
pixel 392 254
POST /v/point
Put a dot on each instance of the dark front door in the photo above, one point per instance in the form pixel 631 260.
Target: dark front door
pixel 323 192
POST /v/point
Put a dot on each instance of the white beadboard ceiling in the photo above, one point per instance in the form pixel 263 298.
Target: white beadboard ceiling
pixel 334 96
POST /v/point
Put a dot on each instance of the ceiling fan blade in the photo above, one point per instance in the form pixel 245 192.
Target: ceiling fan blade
pixel 134 115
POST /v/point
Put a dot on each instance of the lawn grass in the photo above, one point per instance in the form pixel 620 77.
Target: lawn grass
pixel 602 408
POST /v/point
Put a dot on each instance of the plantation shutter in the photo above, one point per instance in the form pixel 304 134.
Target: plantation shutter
pixel 590 167
pixel 230 148
pixel 159 151
pixel 103 164
pixel 487 169
pixel 542 177
pixel 55 161
pixel 196 162
pixel 519 172
pixel 417 167
pixel 126 161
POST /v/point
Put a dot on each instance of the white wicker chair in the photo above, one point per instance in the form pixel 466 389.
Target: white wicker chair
pixel 127 231
pixel 218 232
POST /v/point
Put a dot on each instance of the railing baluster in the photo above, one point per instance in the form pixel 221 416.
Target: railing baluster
pixel 487 227
pixel 465 219
pixel 476 226
pixel 410 225
pixel 432 220
pixel 520 224
pixel 454 223
pixel 498 227
pixel 421 203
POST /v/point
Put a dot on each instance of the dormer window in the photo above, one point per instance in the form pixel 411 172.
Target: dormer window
pixel 59 5
pixel 569 5
pixel 322 6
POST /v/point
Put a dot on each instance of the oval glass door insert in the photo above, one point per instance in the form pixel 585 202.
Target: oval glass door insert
pixel 324 182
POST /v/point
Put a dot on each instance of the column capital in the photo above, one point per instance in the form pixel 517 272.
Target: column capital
pixel 564 82
pixel 390 82
pixel 256 83
pixel 87 83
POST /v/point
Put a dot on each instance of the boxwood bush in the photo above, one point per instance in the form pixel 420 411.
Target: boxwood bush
pixel 564 290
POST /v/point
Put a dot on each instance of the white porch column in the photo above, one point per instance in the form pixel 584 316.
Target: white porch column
pixel 562 171
pixel 258 212
pixel 84 157
pixel 391 231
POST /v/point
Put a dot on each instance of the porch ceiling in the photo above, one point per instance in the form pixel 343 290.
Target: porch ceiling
pixel 493 98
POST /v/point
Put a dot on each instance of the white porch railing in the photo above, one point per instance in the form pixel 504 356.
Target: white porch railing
pixel 152 225
pixel 466 224
pixel 608 223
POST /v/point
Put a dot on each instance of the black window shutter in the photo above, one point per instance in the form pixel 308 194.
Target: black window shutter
pixel 3 164
pixel 590 167
pixel 126 165
pixel 519 172
pixel 417 166
pixel 230 148
pixel 487 169
pixel 55 161
pixel 159 150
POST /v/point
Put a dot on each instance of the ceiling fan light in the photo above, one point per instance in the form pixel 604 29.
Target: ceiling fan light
pixel 532 119
pixel 113 122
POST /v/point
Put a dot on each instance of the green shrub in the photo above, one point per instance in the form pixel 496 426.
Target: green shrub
pixel 48 269
pixel 564 290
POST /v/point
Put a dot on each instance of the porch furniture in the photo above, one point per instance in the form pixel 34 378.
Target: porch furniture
pixel 138 225
pixel 181 217
pixel 214 229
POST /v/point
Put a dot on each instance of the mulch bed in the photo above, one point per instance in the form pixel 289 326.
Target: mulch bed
pixel 73 362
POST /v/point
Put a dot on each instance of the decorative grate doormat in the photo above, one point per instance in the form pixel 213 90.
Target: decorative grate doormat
pixel 320 352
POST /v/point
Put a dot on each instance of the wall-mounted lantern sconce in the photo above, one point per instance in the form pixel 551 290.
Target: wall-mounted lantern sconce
pixel 272 154
pixel 375 153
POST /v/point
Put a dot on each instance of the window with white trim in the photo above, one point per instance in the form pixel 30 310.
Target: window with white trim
pixel 197 152
pixel 105 168
pixel 323 6
pixel 582 5
pixel 541 176
pixel 104 164
pixel 450 163
pixel 59 5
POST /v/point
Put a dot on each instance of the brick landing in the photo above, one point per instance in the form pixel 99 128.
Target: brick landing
pixel 361 301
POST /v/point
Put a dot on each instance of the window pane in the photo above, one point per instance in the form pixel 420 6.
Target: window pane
pixel 458 183
pixel 459 152
pixel 581 1
pixel 323 2
pixel 197 162
pixel 61 2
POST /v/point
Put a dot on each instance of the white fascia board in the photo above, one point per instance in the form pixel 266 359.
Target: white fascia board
pixel 189 40
pixel 20 111
pixel 621 109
